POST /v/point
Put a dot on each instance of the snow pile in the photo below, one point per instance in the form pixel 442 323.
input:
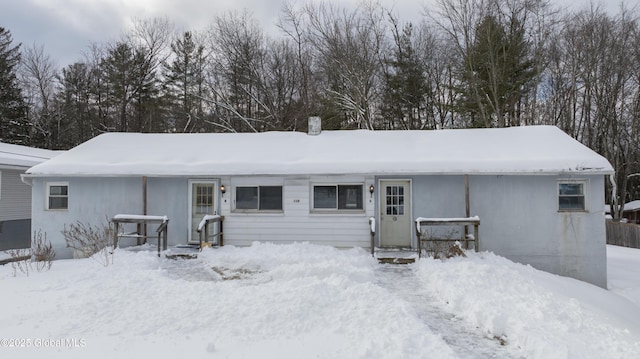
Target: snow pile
pixel 284 301
pixel 303 300
pixel 623 272
pixel 545 315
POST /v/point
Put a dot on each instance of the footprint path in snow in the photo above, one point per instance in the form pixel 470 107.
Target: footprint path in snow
pixel 466 342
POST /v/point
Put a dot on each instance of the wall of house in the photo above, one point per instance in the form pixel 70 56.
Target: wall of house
pixel 297 222
pixel 520 219
pixel 168 196
pixel 92 201
pixel 15 210
pixel 95 200
pixel 519 214
pixel 15 196
pixel 15 234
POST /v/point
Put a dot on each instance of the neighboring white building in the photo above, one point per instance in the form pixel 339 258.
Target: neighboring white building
pixel 538 192
pixel 15 196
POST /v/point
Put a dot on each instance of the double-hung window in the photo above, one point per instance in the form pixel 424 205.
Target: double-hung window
pixel 58 195
pixel 571 196
pixel 338 197
pixel 259 198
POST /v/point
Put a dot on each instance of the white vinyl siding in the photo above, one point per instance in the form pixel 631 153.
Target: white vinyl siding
pixel 15 196
pixel 296 223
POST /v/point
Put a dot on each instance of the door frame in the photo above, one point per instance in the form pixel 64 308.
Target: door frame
pixel 216 203
pixel 380 183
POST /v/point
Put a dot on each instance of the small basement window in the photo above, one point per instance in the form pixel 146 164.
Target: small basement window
pixel 57 196
pixel 571 196
pixel 338 197
pixel 259 198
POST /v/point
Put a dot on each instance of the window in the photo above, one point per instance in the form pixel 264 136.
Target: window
pixel 57 196
pixel 203 198
pixel 395 200
pixel 261 198
pixel 571 196
pixel 338 197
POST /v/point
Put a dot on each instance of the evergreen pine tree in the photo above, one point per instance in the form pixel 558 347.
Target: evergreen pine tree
pixel 406 86
pixel 184 83
pixel 497 69
pixel 14 126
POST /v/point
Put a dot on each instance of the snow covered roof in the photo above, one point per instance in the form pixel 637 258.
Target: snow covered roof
pixel 22 156
pixel 515 150
pixel 632 206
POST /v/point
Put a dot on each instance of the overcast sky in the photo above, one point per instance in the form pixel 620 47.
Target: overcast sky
pixel 67 27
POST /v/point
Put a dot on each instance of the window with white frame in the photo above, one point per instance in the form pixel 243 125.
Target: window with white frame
pixel 58 195
pixel 258 198
pixel 572 195
pixel 338 197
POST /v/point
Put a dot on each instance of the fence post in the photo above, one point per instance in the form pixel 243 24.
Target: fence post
pixel 475 236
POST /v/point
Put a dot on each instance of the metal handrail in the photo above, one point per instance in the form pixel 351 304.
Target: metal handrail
pixel 203 229
pixel 466 221
pixel 372 229
pixel 141 219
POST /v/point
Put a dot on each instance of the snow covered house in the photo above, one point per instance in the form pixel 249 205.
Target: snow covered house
pixel 538 192
pixel 631 211
pixel 15 196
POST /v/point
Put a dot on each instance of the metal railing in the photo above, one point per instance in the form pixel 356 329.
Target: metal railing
pixel 204 232
pixel 466 221
pixel 372 230
pixel 140 220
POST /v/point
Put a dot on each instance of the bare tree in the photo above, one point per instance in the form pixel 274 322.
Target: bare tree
pixel 294 24
pixel 150 40
pixel 592 88
pixel 237 62
pixel 38 80
pixel 154 35
pixel 348 45
pixel 280 87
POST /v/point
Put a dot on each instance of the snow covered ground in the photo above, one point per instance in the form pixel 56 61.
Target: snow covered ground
pixel 302 300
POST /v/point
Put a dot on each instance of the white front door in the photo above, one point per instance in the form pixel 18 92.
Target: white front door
pixel 395 213
pixel 202 196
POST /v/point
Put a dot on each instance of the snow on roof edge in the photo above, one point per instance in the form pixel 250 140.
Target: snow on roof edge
pixel 559 172
pixel 515 150
pixel 21 157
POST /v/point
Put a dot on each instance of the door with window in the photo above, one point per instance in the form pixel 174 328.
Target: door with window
pixel 395 214
pixel 202 196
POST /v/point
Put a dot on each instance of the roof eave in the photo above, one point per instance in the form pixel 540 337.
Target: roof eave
pixel 369 173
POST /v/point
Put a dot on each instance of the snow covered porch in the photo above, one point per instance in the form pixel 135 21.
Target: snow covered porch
pixel 552 221
pixel 401 203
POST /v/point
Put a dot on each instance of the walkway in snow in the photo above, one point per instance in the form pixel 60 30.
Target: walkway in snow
pixel 466 342
pixel 401 281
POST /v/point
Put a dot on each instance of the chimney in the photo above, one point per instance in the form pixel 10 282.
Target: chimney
pixel 315 126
